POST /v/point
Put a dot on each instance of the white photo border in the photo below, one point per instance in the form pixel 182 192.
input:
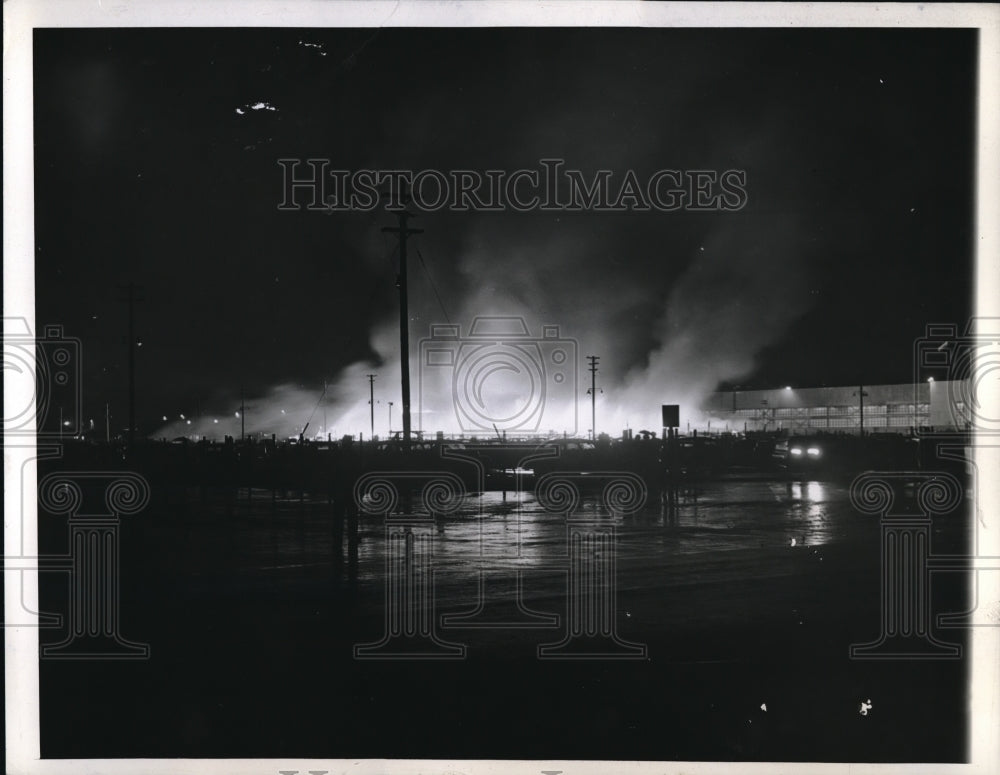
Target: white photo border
pixel 21 17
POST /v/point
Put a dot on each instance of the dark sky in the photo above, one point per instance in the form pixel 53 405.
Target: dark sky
pixel 858 147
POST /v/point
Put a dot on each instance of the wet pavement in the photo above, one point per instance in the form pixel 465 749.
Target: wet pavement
pixel 750 593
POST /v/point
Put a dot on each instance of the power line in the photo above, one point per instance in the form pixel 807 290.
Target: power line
pixel 433 286
pixel 321 397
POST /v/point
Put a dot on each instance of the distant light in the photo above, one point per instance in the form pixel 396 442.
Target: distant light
pixel 215 421
pixel 183 417
pixel 164 418
pixel 282 411
pixel 188 422
pixel 796 451
pixel 814 451
pixel 930 379
pixel 788 387
pixel 66 423
pixel 237 414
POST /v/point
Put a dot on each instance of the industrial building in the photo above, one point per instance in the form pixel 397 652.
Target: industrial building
pixel 903 408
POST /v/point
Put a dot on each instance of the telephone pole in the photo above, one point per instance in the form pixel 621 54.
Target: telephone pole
pixel 403 231
pixel 131 298
pixel 594 360
pixel 243 415
pixel 371 400
pixel 861 406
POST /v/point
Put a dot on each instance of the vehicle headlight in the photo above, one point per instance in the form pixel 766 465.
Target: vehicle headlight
pixel 796 451
pixel 814 451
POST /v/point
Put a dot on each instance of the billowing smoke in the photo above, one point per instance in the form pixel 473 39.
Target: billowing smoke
pixel 316 412
pixel 672 303
pixel 738 296
pixel 661 338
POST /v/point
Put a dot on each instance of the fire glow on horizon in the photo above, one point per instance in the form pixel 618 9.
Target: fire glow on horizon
pixel 716 317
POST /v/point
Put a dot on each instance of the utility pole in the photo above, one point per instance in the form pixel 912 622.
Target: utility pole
pixel 107 422
pixel 371 400
pixel 243 415
pixel 861 406
pixel 131 298
pixel 390 419
pixel 594 360
pixel 403 231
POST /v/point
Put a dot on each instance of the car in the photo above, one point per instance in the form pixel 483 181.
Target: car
pixel 799 453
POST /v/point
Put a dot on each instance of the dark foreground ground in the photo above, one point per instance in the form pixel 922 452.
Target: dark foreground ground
pixel 747 602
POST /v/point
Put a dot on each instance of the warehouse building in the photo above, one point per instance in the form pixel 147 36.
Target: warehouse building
pixel 902 408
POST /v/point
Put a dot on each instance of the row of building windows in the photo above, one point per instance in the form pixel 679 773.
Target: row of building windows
pixel 834 411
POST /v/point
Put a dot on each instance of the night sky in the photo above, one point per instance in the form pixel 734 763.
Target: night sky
pixel 858 147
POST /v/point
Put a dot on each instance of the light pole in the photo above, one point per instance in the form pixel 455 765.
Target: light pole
pixel 390 419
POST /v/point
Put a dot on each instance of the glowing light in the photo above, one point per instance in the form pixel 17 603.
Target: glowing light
pixel 814 451
pixel 164 418
pixel 66 423
pixel 796 451
pixel 188 422
pixel 788 387
pixel 930 379
pixel 237 414
pixel 215 421
pixel 183 417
